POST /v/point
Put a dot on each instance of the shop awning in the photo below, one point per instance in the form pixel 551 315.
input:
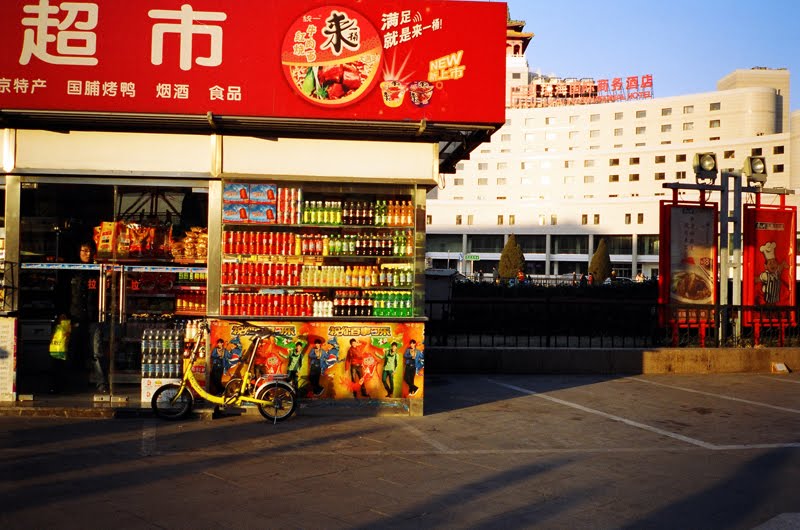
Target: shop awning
pixel 456 141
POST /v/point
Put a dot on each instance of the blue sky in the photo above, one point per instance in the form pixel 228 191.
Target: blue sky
pixel 686 45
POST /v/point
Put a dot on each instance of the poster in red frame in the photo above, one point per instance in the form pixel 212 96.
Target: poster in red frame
pixel 687 259
pixel 769 256
pixel 399 60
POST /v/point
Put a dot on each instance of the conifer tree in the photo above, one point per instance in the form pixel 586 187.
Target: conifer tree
pixel 600 264
pixel 511 259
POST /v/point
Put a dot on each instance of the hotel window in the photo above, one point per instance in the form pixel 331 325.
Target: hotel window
pixel 641 130
pixel 550 136
pixel 613 178
pixel 777 168
pixel 588 163
pixel 568 164
pixel 470 219
pixel 688 109
pixel 573 135
pixel 594 117
pixel 688 140
pixel 570 179
pixel 458 182
pixel 660 159
pixel 594 147
pixel 627 218
pixel 777 150
pixel 512 220
pixel 729 154
pixel 713 138
pixel 483 166
pixel 501 181
pixel 713 124
pixel 457 198
pixel 499 219
pixel 594 133
pixel 508 121
pixel 516 75
pixel 553 219
pixel 613 162
pixel 529 138
pixel 573 119
pixel 666 112
pixel 429 219
pixel 688 126
pixel 617 132
pixel 505 137
pixel 483 182
pixel 458 219
pixel 633 161
pixel 597 218
pixel 541 219
pixel 715 106
pixel 502 165
pixel 588 179
pixel 505 151
pixel 530 122
pixel 756 151
pixel 633 177
pixel 527 165
pixel 641 113
pixel 660 176
pixel 667 127
pixel 584 219
pixel 680 175
pixel 680 158
pixel 639 218
pixel 460 166
pixel 549 121
pixel 618 115
pixel 525 181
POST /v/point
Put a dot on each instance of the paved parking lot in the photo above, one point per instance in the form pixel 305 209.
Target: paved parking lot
pixel 694 451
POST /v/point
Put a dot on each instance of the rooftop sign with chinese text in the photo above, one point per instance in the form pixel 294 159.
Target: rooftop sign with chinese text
pixel 560 93
pixel 401 60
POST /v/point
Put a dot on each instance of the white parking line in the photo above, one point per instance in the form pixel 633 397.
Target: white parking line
pixel 626 421
pixel 721 396
pixel 427 439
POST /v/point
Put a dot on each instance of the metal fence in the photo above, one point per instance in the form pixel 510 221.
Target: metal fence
pixel 575 322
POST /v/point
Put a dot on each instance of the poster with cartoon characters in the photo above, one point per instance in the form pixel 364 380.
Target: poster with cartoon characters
pixel 769 263
pixel 326 360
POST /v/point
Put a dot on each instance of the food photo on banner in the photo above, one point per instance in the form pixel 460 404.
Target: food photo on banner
pixel 328 360
pixel 769 274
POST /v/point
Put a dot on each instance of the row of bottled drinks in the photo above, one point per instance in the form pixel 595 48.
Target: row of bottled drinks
pixel 163 349
pixel 358 213
pixel 345 303
pixel 296 274
pixel 379 244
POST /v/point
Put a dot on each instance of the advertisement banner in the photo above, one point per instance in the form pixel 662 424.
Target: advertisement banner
pixel 769 271
pixel 326 360
pixel 688 258
pixel 403 60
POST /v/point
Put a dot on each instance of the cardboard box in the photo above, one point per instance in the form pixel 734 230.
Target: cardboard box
pixel 235 212
pixel 233 192
pixel 264 193
pixel 263 213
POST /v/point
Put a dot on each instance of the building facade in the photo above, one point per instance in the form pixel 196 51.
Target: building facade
pixel 560 178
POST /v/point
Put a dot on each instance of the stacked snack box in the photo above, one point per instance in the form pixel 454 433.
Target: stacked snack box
pixel 260 203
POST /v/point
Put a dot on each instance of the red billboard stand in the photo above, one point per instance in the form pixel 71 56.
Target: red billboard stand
pixel 688 265
pixel 769 271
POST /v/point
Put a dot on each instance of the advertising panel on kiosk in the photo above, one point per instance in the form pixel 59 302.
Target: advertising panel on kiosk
pixel 769 275
pixel 688 261
pixel 404 60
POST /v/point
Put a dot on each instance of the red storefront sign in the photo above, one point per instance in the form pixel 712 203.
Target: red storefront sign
pixel 769 272
pixel 443 61
pixel 688 260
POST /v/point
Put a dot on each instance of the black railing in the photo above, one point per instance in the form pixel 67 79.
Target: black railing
pixel 575 322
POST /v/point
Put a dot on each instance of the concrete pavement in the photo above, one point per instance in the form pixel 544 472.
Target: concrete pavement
pixel 650 451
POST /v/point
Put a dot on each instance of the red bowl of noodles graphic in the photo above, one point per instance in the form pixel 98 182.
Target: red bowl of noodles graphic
pixel 331 56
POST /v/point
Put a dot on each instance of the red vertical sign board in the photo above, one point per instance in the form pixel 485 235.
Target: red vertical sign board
pixel 769 272
pixel 688 258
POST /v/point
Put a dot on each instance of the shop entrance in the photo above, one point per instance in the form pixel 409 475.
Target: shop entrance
pixel 132 283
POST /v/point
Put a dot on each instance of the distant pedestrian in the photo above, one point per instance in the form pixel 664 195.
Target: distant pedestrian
pixel 584 281
pixel 591 278
pixel 495 275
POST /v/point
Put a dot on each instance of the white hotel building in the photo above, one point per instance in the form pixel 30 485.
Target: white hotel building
pixel 561 178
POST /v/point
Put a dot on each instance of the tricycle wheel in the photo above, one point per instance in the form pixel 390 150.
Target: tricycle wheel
pixel 282 401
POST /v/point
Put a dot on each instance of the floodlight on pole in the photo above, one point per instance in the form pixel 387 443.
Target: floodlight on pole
pixel 705 168
pixel 755 171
